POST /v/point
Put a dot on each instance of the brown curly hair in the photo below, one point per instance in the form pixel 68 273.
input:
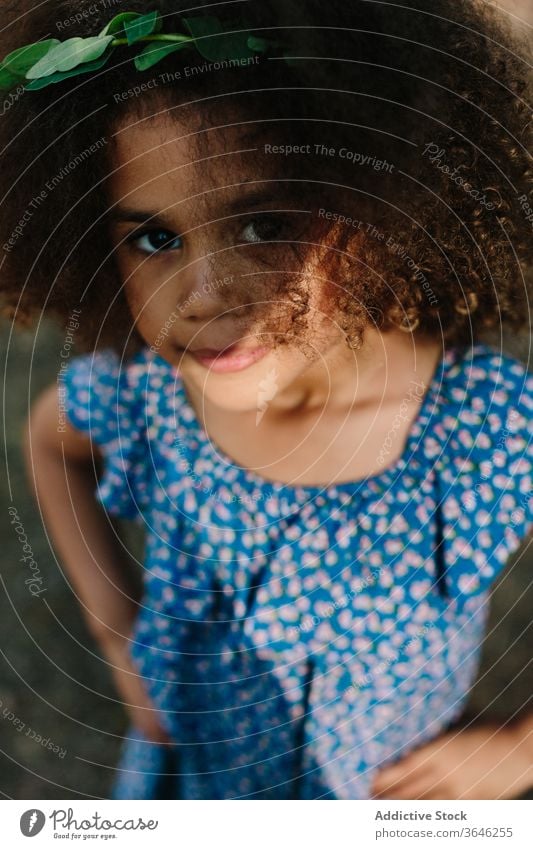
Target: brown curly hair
pixel 427 102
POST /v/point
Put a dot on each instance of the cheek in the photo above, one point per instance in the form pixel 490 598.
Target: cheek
pixel 146 297
pixel 141 279
pixel 139 308
pixel 133 299
pixel 150 308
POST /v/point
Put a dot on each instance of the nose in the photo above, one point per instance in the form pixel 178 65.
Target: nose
pixel 202 295
pixel 205 295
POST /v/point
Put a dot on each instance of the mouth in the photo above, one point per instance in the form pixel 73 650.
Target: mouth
pixel 231 358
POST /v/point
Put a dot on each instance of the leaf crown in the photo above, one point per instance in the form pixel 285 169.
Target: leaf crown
pixel 42 63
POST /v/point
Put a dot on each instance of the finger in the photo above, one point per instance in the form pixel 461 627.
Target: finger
pixel 422 788
pixel 390 779
pixel 394 774
pixel 419 761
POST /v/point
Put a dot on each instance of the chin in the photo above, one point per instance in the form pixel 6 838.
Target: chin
pixel 239 396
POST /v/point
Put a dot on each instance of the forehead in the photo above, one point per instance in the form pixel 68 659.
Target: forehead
pixel 162 159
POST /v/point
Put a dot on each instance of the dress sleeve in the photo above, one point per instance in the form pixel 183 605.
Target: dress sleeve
pixel 486 481
pixel 100 400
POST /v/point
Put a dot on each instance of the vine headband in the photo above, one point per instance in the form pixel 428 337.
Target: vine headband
pixel 42 63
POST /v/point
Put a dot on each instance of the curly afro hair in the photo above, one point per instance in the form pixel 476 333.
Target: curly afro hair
pixel 423 103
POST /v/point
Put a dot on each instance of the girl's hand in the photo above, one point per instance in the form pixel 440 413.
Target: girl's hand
pixel 142 712
pixel 485 762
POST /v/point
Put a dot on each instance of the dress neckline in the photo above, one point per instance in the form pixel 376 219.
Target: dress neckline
pixel 377 481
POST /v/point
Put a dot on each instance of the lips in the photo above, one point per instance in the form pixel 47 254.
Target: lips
pixel 228 359
pixel 211 352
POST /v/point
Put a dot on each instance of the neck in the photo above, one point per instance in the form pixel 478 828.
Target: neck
pixel 343 377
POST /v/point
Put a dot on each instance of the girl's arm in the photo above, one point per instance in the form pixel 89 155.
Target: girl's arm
pixel 483 761
pixel 61 467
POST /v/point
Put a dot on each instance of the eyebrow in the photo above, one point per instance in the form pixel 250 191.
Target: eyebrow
pixel 125 213
pixel 239 203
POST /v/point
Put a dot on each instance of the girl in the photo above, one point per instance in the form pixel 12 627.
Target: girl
pixel 284 233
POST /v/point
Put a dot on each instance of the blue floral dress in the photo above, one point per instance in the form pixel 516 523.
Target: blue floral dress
pixel 297 638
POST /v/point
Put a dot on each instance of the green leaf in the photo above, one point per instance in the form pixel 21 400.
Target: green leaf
pixel 143 26
pixel 42 82
pixel 70 54
pixel 234 46
pixel 213 43
pixel 21 60
pixel 203 26
pixel 15 65
pixel 258 45
pixel 202 30
pixel 154 53
pixel 116 25
pixel 8 80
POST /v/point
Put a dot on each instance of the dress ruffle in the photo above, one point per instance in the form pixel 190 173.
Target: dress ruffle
pixel 106 400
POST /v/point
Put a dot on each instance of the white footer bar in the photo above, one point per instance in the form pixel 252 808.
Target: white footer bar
pixel 251 824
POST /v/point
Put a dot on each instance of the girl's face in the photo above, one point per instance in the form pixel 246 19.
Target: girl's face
pixel 205 238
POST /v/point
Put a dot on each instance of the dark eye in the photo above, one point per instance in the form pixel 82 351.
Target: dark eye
pixel 267 228
pixel 153 241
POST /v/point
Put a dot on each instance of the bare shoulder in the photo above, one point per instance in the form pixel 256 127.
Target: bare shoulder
pixel 48 428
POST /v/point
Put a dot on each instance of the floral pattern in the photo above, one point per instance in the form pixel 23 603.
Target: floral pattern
pixel 297 638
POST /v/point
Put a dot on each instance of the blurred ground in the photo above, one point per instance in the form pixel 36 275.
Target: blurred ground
pixel 54 684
